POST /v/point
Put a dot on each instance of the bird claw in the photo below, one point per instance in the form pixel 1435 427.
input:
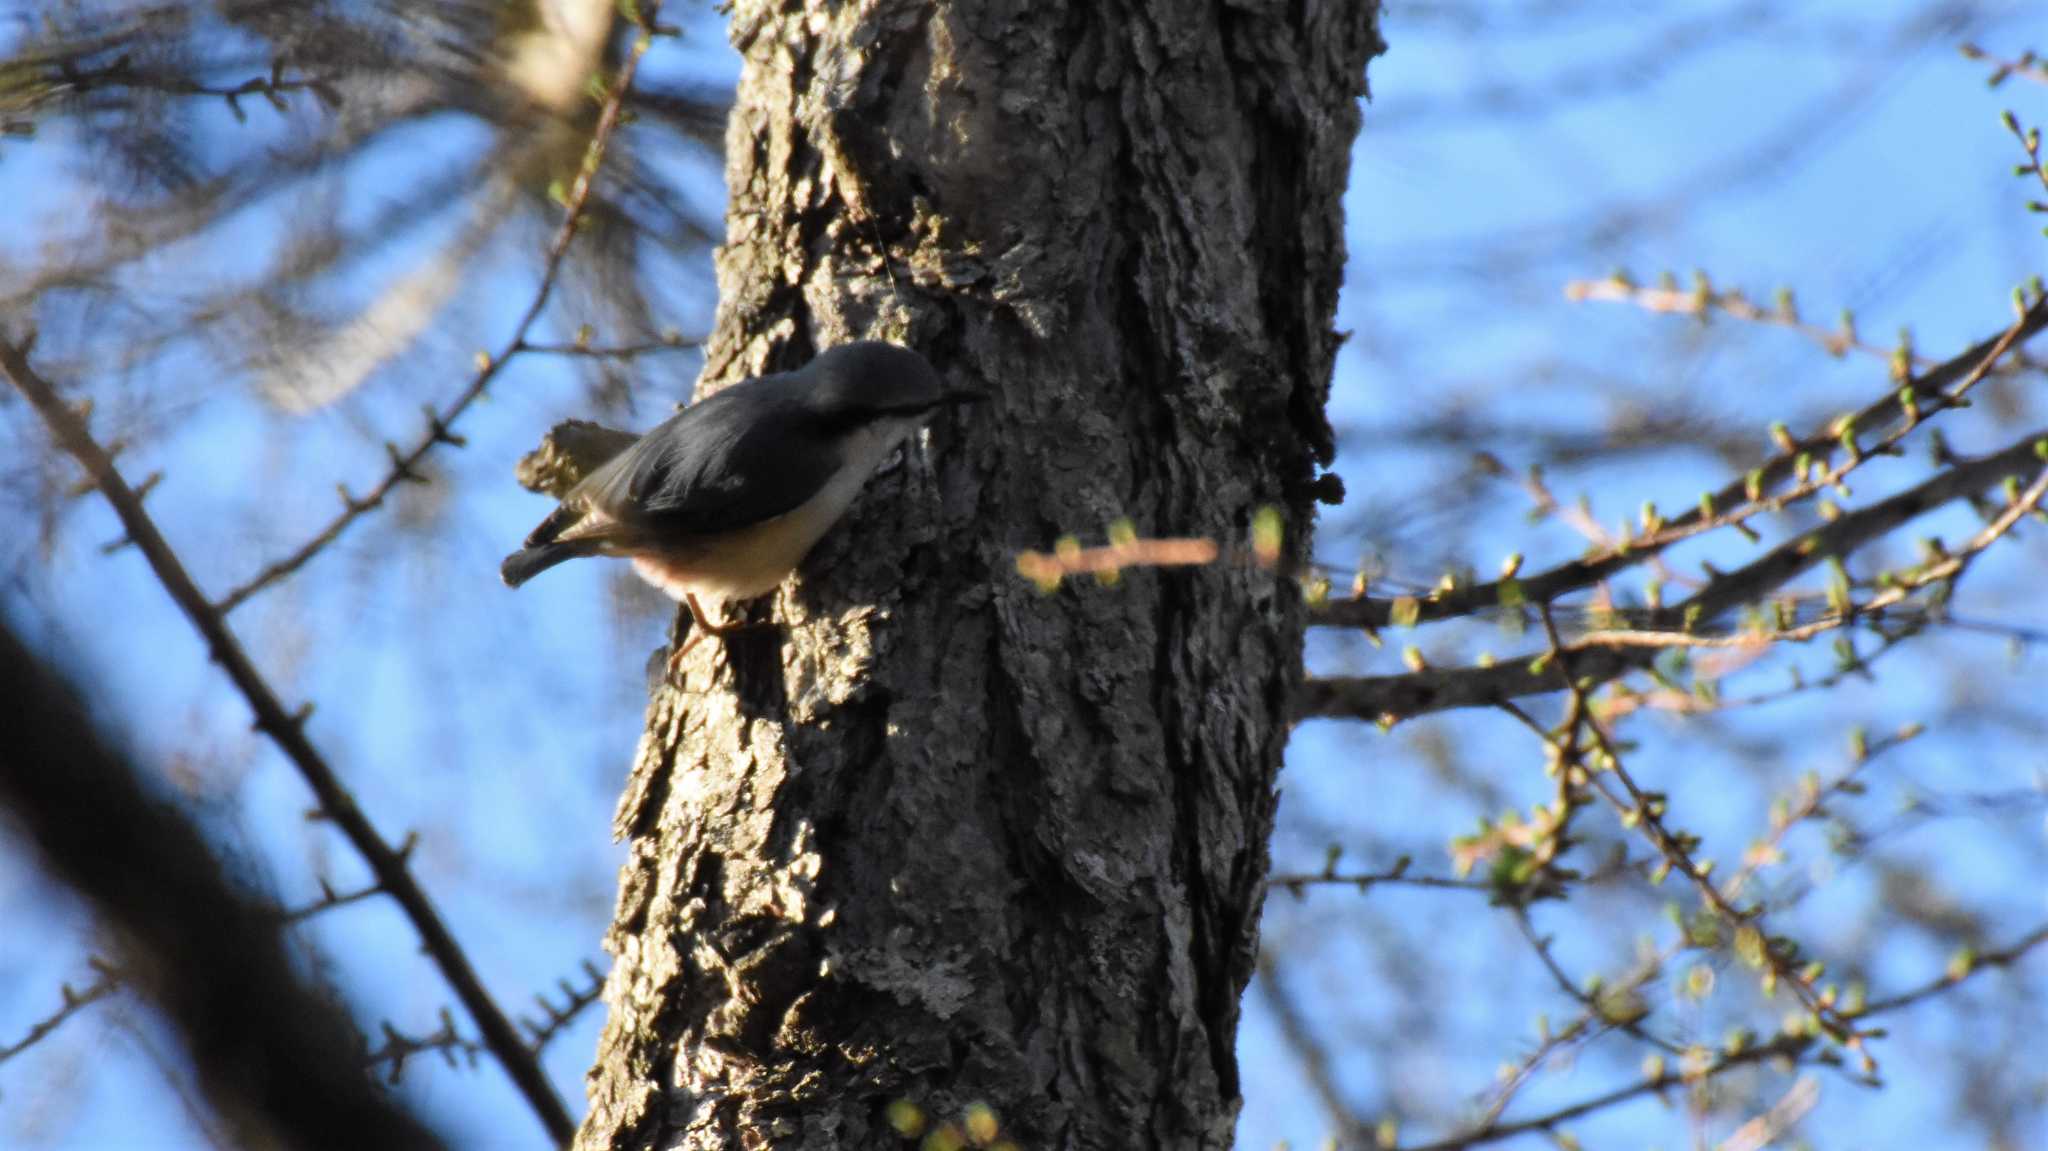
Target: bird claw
pixel 675 658
pixel 701 627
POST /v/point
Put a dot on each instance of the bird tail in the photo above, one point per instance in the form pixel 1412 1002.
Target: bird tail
pixel 527 563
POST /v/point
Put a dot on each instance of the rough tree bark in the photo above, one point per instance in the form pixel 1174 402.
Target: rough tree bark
pixel 937 838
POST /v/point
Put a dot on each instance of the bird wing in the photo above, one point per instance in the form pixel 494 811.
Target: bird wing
pixel 714 467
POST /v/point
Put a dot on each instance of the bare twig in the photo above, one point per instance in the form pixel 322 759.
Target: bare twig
pixel 286 728
pixel 1751 581
pixel 575 1000
pixel 1314 1058
pixel 331 899
pixel 67 80
pixel 2027 67
pixel 1783 1047
pixel 1976 963
pixel 1764 1130
pixel 398 1047
pixel 1294 883
pixel 1702 301
pixel 1589 1001
pixel 106 981
pixel 406 463
pixel 1575 1034
pixel 1621 699
pixel 2029 140
pixel 580 349
pixel 1645 812
pixel 1940 388
pixel 1403 696
pixel 1795 1048
pixel 1813 799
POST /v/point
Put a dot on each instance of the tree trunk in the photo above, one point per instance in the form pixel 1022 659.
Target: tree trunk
pixel 938 840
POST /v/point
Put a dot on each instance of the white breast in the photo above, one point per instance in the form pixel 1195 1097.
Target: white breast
pixel 743 564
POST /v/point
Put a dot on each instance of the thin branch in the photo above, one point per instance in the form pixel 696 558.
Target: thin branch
pixel 406 463
pixel 398 1047
pixel 1702 301
pixel 1622 699
pixel 583 350
pixel 106 981
pixel 286 728
pixel 1977 963
pixel 1388 698
pixel 574 1001
pixel 1314 1058
pixel 1645 812
pixel 1752 581
pixel 2029 140
pixel 1294 883
pixel 1940 388
pixel 1796 1048
pixel 1785 1046
pixel 271 1050
pixel 331 899
pixel 2027 67
pixel 1765 1129
pixel 66 80
pixel 1578 1033
pixel 1813 800
pixel 1588 1001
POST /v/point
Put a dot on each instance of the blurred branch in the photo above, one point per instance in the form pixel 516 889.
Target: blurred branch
pixel 405 464
pixel 575 1000
pixel 1633 432
pixel 1792 140
pixel 672 342
pixel 67 79
pixel 398 1047
pixel 2029 140
pixel 1703 1066
pixel 1764 1130
pixel 106 981
pixel 1645 811
pixel 1940 388
pixel 1398 876
pixel 1604 655
pixel 275 1057
pixel 330 898
pixel 2027 67
pixel 1967 965
pixel 287 730
pixel 1622 699
pixel 1783 1047
pixel 1789 559
pixel 1391 698
pixel 1812 801
pixel 1574 1035
pixel 1702 301
pixel 1605 76
pixel 1316 1064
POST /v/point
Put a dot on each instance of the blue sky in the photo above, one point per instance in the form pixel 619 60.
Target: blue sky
pixel 1814 145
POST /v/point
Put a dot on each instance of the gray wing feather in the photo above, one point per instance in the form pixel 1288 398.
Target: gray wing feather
pixel 716 466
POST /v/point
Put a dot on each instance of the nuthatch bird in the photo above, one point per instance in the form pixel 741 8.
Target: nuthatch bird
pixel 726 497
